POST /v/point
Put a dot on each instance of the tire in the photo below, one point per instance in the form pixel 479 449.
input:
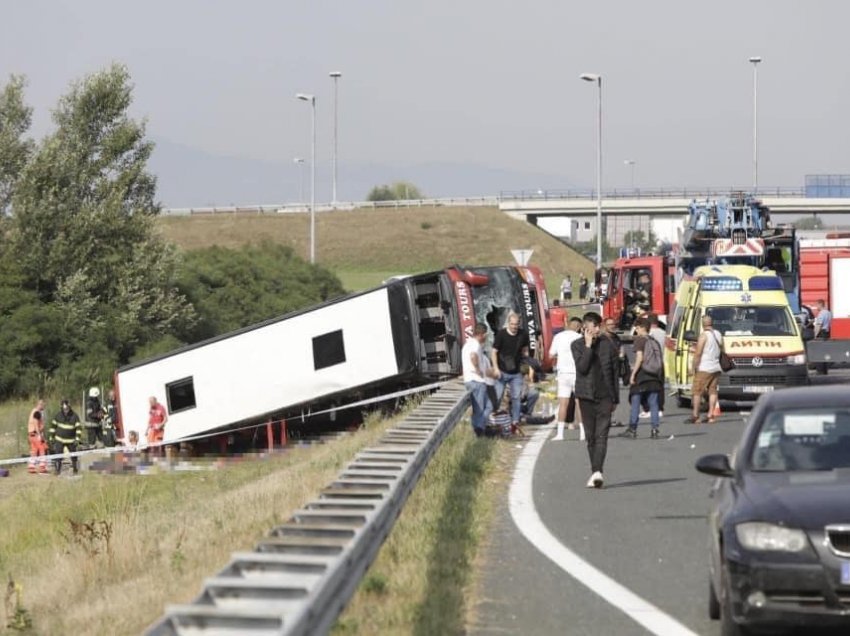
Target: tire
pixel 713 603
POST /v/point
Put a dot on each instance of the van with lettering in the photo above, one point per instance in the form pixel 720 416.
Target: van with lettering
pixel 749 307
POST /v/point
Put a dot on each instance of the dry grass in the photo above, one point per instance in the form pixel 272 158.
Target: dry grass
pixel 423 580
pixel 162 534
pixel 400 241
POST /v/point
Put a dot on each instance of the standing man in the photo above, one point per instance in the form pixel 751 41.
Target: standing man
pixel 510 346
pixel 582 288
pixel 660 336
pixel 706 369
pixel 38 445
pixel 567 288
pixel 557 317
pixel 157 419
pixel 596 387
pixel 823 325
pixel 474 378
pixel 562 353
pixel 645 383
pixel 65 434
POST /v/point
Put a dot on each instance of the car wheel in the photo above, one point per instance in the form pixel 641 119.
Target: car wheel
pixel 713 603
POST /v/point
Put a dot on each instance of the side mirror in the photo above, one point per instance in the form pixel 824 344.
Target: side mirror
pixel 690 336
pixel 716 465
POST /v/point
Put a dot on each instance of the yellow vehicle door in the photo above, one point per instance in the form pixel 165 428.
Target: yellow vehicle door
pixel 685 346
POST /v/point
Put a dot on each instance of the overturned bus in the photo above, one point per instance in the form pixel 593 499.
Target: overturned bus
pixel 407 332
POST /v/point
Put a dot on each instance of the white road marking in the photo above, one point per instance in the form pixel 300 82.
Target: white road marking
pixel 521 501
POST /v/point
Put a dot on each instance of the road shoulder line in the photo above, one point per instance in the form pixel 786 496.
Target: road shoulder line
pixel 528 522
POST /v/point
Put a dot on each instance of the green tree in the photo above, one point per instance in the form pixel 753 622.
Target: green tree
pixel 234 288
pixel 638 238
pixel 398 191
pixel 813 222
pixel 82 232
pixel 15 119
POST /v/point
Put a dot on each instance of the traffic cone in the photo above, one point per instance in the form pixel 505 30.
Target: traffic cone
pixel 717 412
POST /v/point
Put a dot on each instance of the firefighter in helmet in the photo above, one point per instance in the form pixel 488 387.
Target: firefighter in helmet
pixel 94 417
pixel 65 435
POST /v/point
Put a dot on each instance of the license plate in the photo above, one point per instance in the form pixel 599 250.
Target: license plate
pixel 845 573
pixel 757 388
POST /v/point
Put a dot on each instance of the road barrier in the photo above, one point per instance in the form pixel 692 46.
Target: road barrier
pixel 300 576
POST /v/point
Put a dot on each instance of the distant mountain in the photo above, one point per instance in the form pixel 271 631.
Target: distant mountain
pixel 191 177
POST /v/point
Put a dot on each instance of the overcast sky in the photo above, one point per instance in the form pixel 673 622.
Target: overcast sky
pixel 481 82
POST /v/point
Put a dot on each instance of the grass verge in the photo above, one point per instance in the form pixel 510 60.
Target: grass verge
pixel 117 549
pixel 423 578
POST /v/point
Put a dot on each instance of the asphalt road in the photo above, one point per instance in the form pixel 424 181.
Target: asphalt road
pixel 646 529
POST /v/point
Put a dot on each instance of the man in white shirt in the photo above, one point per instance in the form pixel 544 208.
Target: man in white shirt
pixel 565 363
pixel 474 374
pixel 706 369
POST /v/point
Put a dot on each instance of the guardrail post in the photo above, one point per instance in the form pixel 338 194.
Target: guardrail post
pixel 270 436
pixel 283 432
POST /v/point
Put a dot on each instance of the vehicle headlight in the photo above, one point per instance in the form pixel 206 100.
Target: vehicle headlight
pixel 767 536
pixel 800 358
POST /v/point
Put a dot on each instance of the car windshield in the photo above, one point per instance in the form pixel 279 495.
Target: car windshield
pixel 804 439
pixel 753 320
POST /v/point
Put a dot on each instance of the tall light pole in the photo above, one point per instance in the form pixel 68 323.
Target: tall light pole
pixel 335 75
pixel 312 99
pixel 631 163
pixel 298 161
pixel 755 61
pixel 594 77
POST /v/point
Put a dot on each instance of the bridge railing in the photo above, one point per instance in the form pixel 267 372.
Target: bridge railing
pixel 648 193
pixel 505 195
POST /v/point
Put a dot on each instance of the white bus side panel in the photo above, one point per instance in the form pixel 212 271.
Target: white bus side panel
pixel 265 369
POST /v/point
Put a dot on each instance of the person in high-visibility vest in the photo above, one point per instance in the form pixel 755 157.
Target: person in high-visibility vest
pixel 38 446
pixel 157 419
pixel 65 434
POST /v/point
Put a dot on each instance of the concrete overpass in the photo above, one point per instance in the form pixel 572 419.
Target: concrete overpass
pixel 655 204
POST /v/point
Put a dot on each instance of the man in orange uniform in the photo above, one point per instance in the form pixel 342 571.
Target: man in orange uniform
pixel 157 419
pixel 38 446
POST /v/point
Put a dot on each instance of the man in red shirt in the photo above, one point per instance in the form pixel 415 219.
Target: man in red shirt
pixel 557 317
pixel 157 418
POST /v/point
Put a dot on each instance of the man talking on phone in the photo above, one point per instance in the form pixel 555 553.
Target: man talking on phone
pixel 597 391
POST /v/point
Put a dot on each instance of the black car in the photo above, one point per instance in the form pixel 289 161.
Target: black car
pixel 780 523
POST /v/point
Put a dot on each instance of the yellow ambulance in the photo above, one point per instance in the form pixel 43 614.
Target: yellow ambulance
pixel 749 307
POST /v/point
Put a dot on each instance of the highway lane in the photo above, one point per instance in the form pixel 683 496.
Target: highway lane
pixel 646 529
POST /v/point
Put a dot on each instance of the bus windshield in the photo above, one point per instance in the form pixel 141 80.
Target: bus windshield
pixel 760 320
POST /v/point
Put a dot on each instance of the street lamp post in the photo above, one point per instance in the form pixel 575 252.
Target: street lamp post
pixel 335 75
pixel 755 61
pixel 631 163
pixel 298 161
pixel 594 77
pixel 312 99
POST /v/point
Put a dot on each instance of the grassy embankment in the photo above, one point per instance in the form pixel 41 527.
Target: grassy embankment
pixel 147 541
pixel 364 247
pixel 170 531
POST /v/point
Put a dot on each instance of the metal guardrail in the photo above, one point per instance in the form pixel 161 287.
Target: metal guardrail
pixel 505 195
pixel 300 208
pixel 299 577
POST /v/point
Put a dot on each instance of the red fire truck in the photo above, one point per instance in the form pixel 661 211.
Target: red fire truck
pixel 824 275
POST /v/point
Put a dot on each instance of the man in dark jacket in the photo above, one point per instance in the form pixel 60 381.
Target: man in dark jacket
pixel 65 434
pixel 597 391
